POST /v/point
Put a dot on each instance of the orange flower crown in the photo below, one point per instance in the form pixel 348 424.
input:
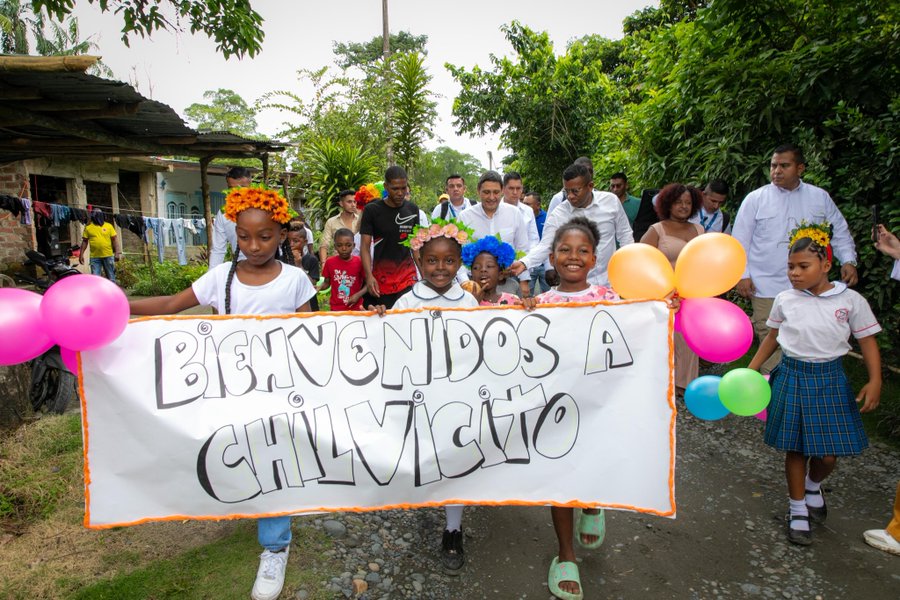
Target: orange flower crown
pixel 256 196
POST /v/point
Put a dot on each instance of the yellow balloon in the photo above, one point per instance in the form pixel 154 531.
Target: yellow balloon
pixel 709 265
pixel 641 271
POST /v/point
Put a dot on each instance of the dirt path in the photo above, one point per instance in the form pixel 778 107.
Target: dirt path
pixel 728 539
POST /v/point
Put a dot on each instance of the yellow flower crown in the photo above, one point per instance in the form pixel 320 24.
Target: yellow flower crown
pixel 240 199
pixel 819 233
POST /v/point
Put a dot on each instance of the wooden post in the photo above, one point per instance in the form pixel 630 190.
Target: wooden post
pixel 207 204
pixel 265 162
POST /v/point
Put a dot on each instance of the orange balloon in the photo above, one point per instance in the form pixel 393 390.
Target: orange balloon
pixel 641 271
pixel 709 265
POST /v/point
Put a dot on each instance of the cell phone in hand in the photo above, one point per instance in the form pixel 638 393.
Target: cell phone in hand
pixel 876 218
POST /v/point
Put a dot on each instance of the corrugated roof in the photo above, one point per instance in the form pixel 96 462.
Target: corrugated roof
pixel 54 113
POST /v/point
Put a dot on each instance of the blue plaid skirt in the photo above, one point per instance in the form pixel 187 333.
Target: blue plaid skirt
pixel 813 410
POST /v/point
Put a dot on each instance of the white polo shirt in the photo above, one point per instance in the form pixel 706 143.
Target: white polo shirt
pixel 817 328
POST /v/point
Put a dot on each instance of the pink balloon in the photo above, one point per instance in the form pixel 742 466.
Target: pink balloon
pixel 678 325
pixel 84 312
pixel 716 330
pixel 70 359
pixel 21 330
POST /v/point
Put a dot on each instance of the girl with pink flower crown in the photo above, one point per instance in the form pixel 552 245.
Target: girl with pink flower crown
pixel 440 248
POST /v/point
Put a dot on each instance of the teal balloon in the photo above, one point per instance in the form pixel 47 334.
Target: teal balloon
pixel 702 398
pixel 744 392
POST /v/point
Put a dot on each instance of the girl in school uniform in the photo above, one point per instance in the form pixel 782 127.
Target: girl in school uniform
pixel 814 414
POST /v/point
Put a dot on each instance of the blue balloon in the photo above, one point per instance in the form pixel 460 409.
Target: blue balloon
pixel 702 398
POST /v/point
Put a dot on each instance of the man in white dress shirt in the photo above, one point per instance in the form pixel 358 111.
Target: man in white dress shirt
pixel 455 186
pixel 603 208
pixel 560 196
pixel 224 234
pixel 491 216
pixel 711 217
pixel 763 225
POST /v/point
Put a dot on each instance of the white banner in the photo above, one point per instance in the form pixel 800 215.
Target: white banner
pixel 212 417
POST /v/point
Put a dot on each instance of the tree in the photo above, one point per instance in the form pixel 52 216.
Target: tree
pixel 364 54
pixel 341 108
pixel 713 94
pixel 224 110
pixel 433 167
pixel 64 39
pixel 413 111
pixel 232 24
pixel 16 20
pixel 545 107
pixel 334 166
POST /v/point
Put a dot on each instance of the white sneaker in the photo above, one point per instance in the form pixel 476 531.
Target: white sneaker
pixel 270 576
pixel 881 539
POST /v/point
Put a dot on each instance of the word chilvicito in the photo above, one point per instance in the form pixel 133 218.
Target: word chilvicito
pixel 452 437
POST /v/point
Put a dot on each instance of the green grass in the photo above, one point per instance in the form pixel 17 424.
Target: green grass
pixel 39 467
pixel 223 569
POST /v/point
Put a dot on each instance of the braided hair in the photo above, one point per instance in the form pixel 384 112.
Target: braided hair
pixel 230 278
pixel 285 254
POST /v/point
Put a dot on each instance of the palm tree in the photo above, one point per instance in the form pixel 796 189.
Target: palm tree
pixel 15 20
pixel 64 39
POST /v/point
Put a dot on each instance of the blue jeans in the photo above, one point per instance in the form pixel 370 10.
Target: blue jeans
pixel 107 264
pixel 538 281
pixel 274 533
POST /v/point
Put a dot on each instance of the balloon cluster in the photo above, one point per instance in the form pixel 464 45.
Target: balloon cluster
pixel 714 329
pixel 743 392
pixel 77 313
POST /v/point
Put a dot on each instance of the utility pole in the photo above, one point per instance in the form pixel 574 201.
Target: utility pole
pixel 386 55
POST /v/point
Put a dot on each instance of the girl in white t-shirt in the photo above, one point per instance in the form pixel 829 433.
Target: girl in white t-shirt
pixel 813 415
pixel 258 284
pixel 439 247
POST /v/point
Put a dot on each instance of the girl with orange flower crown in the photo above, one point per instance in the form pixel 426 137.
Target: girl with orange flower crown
pixel 260 284
pixel 814 416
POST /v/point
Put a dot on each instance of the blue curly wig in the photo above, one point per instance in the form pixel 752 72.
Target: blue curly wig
pixel 503 252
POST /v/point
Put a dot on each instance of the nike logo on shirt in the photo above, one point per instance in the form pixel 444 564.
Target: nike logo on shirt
pixel 404 220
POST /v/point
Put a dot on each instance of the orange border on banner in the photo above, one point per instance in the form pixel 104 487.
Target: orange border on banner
pixel 356 509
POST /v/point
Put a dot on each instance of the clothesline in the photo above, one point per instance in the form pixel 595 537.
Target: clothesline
pixel 141 226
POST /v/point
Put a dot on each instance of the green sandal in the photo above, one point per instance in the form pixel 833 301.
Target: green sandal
pixel 564 571
pixel 590 525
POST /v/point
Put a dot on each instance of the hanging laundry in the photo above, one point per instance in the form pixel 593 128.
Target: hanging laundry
pixel 178 226
pixel 26 210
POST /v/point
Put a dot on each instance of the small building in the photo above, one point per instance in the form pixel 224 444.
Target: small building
pixel 69 140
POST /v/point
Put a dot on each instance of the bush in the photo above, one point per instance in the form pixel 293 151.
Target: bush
pixel 158 279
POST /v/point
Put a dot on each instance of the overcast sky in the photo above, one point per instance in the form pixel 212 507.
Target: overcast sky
pixel 177 68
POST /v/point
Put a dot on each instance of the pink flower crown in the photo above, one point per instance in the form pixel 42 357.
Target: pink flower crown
pixel 451 228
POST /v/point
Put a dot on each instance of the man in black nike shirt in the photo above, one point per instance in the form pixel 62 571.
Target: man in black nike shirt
pixel 390 269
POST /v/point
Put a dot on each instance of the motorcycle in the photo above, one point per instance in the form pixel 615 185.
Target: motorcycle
pixel 52 385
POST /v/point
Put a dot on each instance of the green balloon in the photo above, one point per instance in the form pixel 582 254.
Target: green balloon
pixel 744 392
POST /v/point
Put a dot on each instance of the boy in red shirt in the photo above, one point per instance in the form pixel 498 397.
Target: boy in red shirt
pixel 344 273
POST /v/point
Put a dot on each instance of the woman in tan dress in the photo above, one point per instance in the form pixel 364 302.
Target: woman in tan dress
pixel 675 204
